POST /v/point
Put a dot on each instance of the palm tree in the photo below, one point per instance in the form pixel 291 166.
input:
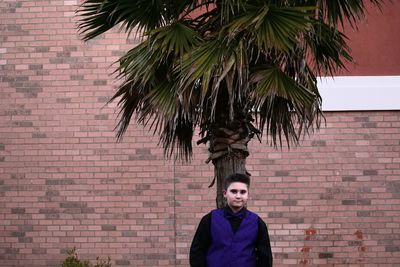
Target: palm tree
pixel 235 69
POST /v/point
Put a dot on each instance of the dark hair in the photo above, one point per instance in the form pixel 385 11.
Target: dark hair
pixel 236 177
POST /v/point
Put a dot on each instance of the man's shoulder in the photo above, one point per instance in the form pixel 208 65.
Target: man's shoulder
pixel 252 213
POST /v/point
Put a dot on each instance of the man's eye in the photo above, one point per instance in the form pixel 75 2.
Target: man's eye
pixel 243 192
pixel 233 191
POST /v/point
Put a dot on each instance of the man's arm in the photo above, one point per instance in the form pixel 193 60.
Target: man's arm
pixel 264 253
pixel 201 242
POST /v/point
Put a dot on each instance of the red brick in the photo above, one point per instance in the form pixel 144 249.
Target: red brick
pixel 341 180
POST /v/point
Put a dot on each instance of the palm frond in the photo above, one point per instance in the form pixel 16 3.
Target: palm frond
pixel 339 11
pixel 271 81
pixel 177 38
pixel 328 48
pixel 99 16
pixel 271 26
pixel 208 63
pixel 177 136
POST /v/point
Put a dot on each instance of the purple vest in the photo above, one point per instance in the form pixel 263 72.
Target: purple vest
pixel 230 249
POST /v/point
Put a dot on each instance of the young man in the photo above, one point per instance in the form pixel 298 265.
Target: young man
pixel 232 236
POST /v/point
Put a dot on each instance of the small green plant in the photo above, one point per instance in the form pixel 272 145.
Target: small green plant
pixel 72 260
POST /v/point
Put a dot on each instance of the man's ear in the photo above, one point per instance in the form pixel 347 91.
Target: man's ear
pixel 224 193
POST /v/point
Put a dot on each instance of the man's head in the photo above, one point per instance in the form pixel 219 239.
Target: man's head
pixel 237 177
pixel 236 191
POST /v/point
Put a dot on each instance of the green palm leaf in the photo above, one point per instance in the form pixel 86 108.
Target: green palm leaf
pixel 235 60
pixel 271 26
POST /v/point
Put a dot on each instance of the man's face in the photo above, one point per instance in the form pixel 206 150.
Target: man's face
pixel 236 196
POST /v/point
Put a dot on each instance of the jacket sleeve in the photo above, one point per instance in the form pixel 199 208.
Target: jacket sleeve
pixel 201 242
pixel 263 247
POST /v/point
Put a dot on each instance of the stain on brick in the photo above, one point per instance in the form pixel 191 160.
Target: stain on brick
pixel 150 204
pixel 296 220
pixel 2 158
pixel 63 54
pixel 348 179
pixel 117 53
pixel 282 173
pixel 72 204
pixel 267 161
pixel 13 28
pixel 363 213
pixel 13 251
pixel 392 249
pixel 51 193
pixel 42 49
pixel 17 112
pixel 31 93
pixel 25 239
pixel 318 143
pixel 103 99
pixel 326 196
pixel 59 181
pixel 289 202
pixel 48 211
pixel 142 154
pixel 369 136
pixel 76 66
pixel 355 243
pixel 35 66
pixel 39 251
pixel 281 255
pixel 56 60
pixel 70 48
pixel 87 210
pixel 100 82
pixel 76 77
pixel 101 151
pixel 369 125
pixel 129 233
pixel 22 78
pixel 275 214
pixel 359 234
pixel 122 262
pixel 361 119
pixel 349 202
pixel 18 234
pixel 101 117
pixel 194 186
pixel 18 210
pixel 393 187
pixel 26 228
pixel 39 135
pixel 364 189
pixel 366 202
pixel 325 255
pixel 304 262
pixel 143 151
pixel 108 227
pixel 17 176
pixel 63 100
pixel 310 233
pixel 22 123
pixel 142 187
pixel 370 172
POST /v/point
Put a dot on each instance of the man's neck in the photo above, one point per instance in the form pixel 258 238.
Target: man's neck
pixel 234 210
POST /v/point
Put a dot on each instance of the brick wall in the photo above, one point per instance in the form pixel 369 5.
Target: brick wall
pixel 65 182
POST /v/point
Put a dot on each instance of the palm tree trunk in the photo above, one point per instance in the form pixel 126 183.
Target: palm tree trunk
pixel 228 153
pixel 225 166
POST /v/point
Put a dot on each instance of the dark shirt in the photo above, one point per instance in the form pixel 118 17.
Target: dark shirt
pixel 202 240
